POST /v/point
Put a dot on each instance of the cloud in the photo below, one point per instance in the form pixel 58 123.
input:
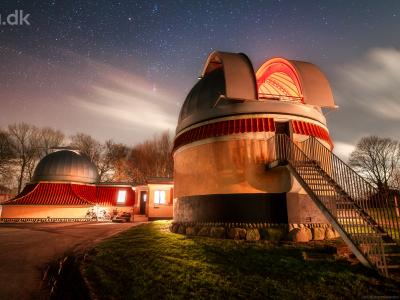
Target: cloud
pixel 79 94
pixel 373 82
pixel 367 91
pixel 343 150
pixel 127 99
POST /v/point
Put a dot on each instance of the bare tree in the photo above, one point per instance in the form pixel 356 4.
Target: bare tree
pixel 112 162
pixel 109 157
pixel 6 157
pixel 377 159
pixel 87 146
pixel 24 138
pixel 395 182
pixel 151 158
pixel 47 139
pixel 50 138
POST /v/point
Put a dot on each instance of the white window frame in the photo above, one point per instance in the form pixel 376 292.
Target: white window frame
pixel 160 197
pixel 121 198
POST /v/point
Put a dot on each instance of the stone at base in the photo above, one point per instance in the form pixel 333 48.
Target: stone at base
pixel 217 232
pixel 300 235
pixel 174 227
pixel 181 229
pixel 192 230
pixel 252 235
pixel 237 233
pixel 330 234
pixel 318 233
pixel 204 231
pixel 337 235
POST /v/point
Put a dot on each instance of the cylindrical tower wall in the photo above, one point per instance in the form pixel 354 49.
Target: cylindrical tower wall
pixel 220 169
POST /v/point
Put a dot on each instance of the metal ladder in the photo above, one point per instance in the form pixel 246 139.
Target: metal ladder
pixel 365 219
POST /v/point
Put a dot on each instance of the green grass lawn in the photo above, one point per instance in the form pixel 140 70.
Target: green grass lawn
pixel 149 262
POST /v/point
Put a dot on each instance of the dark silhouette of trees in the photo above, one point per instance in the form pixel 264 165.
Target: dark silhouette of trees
pixel 87 145
pixel 109 157
pixel 152 158
pixel 23 145
pixel 6 158
pixel 49 139
pixel 112 164
pixel 377 159
pixel 29 144
pixel 24 139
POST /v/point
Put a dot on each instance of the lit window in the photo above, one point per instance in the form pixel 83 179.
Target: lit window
pixel 159 197
pixel 121 197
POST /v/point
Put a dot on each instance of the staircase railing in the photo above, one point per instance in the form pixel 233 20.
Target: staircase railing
pixel 378 205
pixel 365 219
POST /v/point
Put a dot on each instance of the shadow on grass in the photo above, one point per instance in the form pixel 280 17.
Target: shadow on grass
pixel 150 262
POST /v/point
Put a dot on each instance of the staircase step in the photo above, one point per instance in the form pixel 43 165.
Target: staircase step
pixel 384 244
pixel 392 254
pixel 305 162
pixel 389 267
pixel 370 234
pixel 362 230
pixel 360 225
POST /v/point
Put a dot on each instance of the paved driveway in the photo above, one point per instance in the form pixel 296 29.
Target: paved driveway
pixel 25 250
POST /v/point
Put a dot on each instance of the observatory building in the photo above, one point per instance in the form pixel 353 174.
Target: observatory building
pixel 65 187
pixel 222 138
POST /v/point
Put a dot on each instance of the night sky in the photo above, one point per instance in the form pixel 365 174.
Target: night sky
pixel 121 70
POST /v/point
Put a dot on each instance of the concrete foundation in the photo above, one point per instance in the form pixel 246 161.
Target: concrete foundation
pixel 252 207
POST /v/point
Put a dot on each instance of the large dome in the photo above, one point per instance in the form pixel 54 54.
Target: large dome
pixel 204 94
pixel 228 86
pixel 66 165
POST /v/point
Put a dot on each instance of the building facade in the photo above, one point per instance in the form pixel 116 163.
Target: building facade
pixel 155 199
pixel 65 187
pixel 221 142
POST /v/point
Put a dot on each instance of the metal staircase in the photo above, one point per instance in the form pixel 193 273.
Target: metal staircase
pixel 365 219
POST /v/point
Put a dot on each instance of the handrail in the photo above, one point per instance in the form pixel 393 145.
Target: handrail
pixel 363 193
pixel 338 158
pixel 363 217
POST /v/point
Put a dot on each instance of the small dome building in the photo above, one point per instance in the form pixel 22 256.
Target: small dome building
pixel 221 140
pixel 66 166
pixel 65 187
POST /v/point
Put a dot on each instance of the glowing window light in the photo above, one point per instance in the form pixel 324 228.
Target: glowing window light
pixel 159 197
pixel 121 197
